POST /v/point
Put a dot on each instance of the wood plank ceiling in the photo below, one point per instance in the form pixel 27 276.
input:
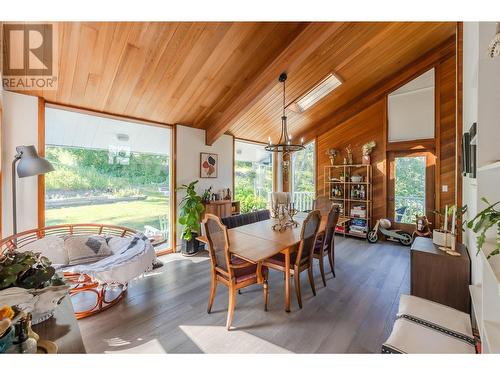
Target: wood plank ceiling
pixel 191 73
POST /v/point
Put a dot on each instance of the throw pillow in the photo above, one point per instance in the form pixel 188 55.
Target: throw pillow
pixel 84 249
pixel 51 247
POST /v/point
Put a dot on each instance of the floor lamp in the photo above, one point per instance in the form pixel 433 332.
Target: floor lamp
pixel 30 164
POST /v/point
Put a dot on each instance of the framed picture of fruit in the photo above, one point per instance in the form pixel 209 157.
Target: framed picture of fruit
pixel 208 165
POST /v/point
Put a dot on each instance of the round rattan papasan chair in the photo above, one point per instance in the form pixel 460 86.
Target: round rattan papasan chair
pixel 131 256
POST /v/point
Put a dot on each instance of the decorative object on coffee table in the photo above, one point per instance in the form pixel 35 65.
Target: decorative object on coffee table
pixel 29 282
pixel 366 150
pixel 208 165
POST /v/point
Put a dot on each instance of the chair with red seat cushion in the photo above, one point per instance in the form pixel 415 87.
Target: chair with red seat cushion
pixel 326 245
pixel 300 260
pixel 227 269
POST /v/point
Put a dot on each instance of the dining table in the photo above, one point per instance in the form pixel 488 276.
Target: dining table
pixel 258 241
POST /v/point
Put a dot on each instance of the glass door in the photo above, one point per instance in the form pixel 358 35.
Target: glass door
pixel 411 187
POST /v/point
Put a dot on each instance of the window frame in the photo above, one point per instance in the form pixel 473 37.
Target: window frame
pixel 273 163
pixel 43 104
pixel 315 164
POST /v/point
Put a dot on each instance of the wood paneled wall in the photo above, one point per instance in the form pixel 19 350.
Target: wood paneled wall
pixel 447 133
pixel 370 124
pixel 356 131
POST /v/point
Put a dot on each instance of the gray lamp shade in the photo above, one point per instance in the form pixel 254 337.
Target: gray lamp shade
pixel 30 164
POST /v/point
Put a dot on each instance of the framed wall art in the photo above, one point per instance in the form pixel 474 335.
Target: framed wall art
pixel 209 163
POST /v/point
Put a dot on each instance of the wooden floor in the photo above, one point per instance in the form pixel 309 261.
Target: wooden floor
pixel 165 312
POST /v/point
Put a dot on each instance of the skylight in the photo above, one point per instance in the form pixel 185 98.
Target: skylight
pixel 318 92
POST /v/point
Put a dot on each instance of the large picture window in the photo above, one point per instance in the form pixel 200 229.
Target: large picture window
pixel 253 175
pixel 304 177
pixel 108 171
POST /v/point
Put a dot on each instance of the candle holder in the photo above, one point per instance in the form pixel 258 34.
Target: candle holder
pixel 279 213
pixel 292 211
pixel 449 249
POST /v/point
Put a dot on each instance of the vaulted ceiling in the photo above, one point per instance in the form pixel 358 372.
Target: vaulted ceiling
pixel 223 76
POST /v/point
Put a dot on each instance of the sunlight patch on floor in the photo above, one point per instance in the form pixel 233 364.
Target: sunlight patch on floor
pixel 202 256
pixel 150 347
pixel 216 339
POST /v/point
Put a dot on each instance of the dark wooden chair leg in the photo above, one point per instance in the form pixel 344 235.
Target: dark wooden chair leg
pixel 322 269
pixel 230 308
pixel 213 288
pixel 311 278
pixel 266 294
pixel 332 262
pixel 297 286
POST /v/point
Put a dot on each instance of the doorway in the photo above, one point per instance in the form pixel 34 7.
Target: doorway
pixel 411 187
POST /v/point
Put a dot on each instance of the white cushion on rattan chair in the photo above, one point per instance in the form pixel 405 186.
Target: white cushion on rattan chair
pixel 424 326
pixel 130 259
pixel 51 247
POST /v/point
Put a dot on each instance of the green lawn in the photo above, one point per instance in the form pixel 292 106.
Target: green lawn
pixel 134 214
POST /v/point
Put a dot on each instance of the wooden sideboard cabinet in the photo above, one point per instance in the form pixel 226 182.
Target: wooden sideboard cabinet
pixel 438 276
pixel 222 208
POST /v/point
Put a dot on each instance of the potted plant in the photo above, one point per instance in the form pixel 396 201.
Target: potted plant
pixel 29 282
pixel 191 208
pixel 366 150
pixel 484 220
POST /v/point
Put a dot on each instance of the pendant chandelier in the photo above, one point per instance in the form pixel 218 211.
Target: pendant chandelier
pixel 285 144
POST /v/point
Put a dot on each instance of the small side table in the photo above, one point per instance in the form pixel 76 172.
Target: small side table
pixel 438 276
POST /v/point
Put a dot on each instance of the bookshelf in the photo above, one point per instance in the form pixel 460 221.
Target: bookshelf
pixel 353 197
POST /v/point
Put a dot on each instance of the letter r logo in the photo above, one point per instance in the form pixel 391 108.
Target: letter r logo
pixel 27 49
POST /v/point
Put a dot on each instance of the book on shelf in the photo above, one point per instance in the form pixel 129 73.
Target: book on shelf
pixel 358 222
pixel 358 213
pixel 355 231
pixel 357 228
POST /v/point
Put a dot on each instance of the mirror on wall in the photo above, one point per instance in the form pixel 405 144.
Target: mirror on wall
pixel 411 109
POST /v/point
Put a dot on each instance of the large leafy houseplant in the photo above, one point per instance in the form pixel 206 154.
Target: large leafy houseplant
pixel 191 209
pixel 484 220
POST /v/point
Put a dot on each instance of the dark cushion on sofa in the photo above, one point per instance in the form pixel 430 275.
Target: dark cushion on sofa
pixel 245 219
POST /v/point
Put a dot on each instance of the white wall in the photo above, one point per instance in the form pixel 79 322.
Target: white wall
pixel 411 109
pixel 20 127
pixel 190 142
pixel 481 98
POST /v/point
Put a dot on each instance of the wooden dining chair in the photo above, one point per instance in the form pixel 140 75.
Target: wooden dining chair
pixel 300 260
pixel 227 269
pixel 326 244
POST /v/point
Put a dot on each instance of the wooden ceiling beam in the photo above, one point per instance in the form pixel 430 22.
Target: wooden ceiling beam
pixel 312 37
pixel 377 92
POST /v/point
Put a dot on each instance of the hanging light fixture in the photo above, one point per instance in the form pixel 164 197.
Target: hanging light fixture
pixel 285 144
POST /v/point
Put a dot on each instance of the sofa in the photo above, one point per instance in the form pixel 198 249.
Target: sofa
pixel 244 219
